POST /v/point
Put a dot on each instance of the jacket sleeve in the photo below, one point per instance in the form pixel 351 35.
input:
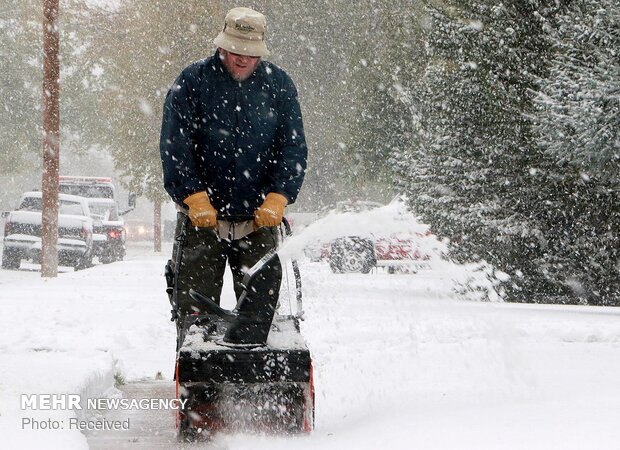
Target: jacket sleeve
pixel 292 149
pixel 176 144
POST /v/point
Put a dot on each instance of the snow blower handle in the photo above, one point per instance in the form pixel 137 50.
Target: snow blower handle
pixel 230 315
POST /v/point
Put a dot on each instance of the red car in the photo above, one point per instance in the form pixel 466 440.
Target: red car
pixel 357 254
pixel 398 242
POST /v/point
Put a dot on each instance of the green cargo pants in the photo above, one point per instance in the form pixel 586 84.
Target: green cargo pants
pixel 203 259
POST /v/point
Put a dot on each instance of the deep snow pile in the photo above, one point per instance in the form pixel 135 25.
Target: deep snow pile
pixel 73 334
pixel 399 362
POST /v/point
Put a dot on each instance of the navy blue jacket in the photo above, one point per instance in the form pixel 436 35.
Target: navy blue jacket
pixel 237 141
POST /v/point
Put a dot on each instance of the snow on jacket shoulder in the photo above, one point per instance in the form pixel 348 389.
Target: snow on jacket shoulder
pixel 237 141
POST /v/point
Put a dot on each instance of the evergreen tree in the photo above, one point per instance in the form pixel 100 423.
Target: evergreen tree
pixel 579 131
pixel 471 171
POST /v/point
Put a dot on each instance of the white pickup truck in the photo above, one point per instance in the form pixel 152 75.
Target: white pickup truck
pixel 22 232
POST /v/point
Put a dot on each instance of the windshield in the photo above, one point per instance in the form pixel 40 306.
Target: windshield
pixel 73 208
pixel 31 204
pixel 94 191
pixel 103 211
pixel 65 207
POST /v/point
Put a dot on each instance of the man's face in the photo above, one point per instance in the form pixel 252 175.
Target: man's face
pixel 240 67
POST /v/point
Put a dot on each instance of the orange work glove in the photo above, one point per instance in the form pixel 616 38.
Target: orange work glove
pixel 270 213
pixel 201 212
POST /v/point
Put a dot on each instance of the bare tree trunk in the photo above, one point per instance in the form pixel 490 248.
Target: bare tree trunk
pixel 51 141
pixel 157 225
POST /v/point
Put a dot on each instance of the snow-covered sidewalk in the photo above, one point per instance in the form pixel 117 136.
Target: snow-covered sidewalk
pixel 399 362
pixel 73 335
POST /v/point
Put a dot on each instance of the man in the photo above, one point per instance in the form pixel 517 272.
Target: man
pixel 234 156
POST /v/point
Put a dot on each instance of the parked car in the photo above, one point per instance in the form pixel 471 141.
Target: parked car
pixel 22 232
pixel 362 235
pixel 319 249
pixel 109 230
pixel 361 254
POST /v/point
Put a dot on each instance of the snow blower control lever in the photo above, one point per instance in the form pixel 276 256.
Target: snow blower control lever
pixel 250 320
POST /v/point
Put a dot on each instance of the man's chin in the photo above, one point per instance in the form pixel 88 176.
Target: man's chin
pixel 241 77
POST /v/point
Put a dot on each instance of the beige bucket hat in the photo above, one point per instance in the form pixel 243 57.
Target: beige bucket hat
pixel 243 33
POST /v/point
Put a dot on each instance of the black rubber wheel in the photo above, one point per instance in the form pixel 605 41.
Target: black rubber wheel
pixel 351 254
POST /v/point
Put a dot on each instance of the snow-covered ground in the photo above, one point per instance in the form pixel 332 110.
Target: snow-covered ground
pixel 400 363
pixel 73 334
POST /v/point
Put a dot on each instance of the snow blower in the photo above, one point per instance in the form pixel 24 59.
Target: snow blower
pixel 244 388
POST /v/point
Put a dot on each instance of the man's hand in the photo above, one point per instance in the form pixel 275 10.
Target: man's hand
pixel 270 213
pixel 201 212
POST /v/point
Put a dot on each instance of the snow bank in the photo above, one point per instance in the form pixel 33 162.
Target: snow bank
pixel 73 335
